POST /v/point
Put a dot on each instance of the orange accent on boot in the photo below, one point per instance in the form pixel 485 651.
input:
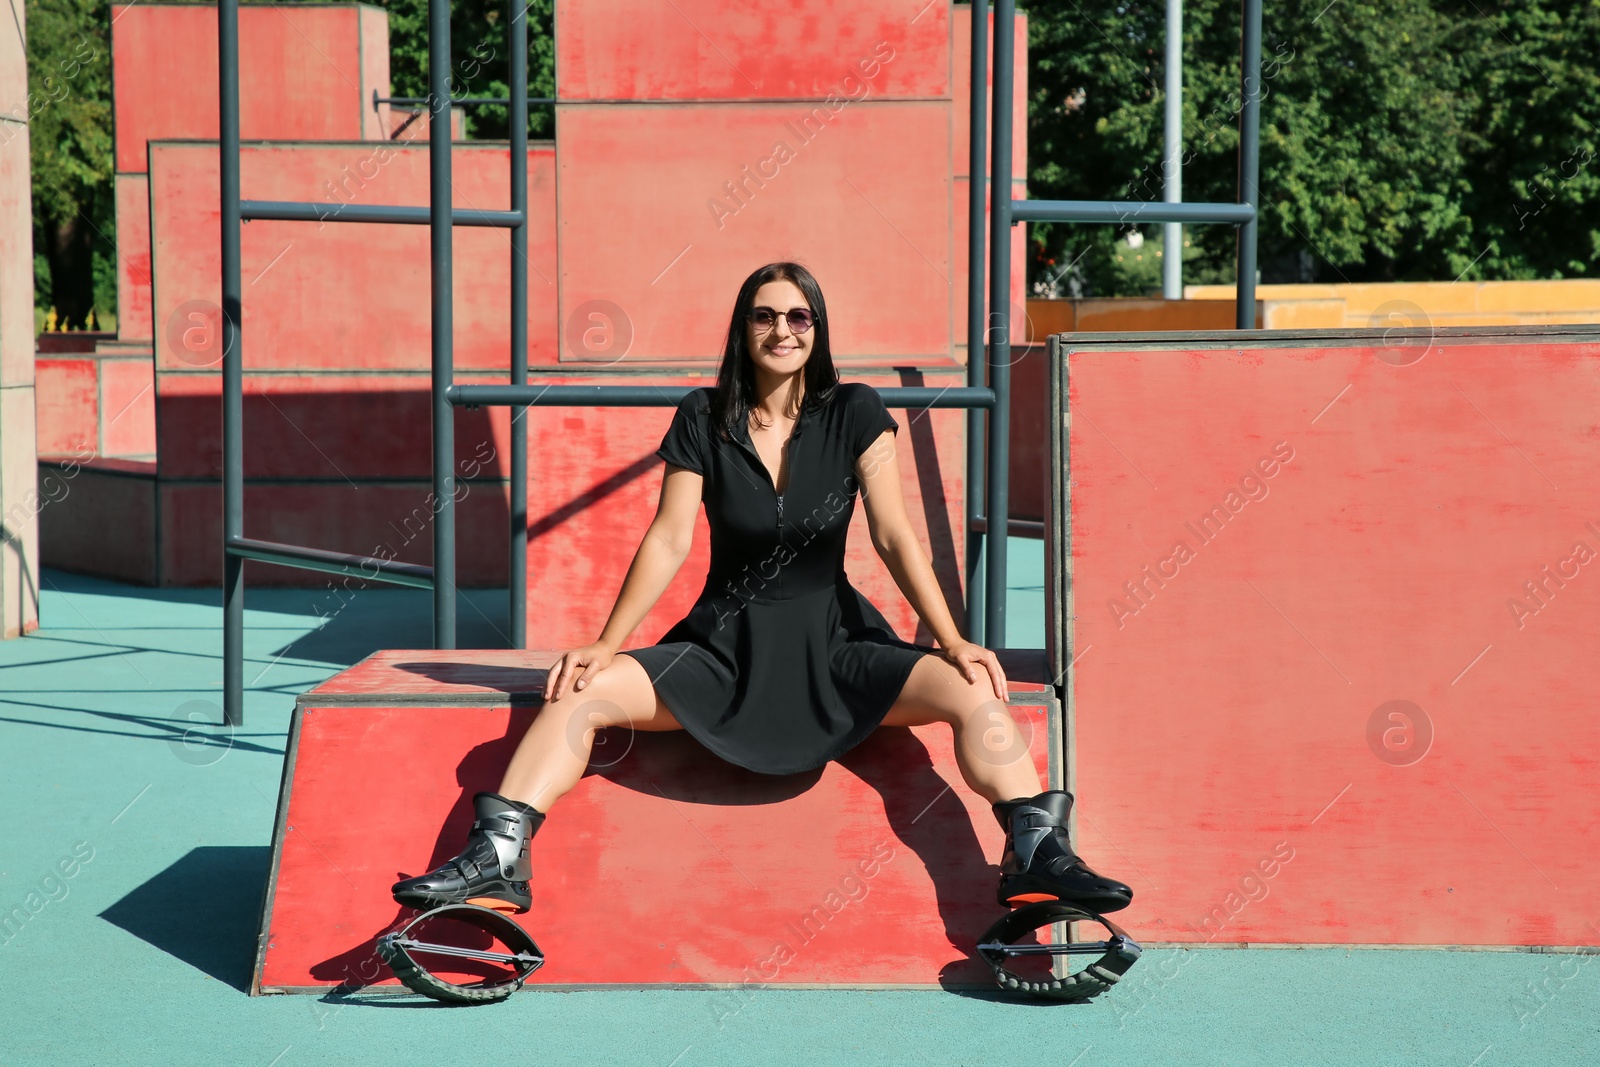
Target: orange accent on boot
pixel 496 904
pixel 1031 898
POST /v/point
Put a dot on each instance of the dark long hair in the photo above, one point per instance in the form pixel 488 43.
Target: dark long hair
pixel 736 378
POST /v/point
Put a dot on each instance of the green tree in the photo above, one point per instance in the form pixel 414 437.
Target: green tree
pixel 478 46
pixel 1535 194
pixel 69 135
pixel 1395 138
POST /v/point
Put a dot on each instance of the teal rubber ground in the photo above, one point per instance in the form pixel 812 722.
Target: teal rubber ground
pixel 112 772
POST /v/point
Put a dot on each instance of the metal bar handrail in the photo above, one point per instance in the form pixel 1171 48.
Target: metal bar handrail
pixel 319 559
pixel 1033 529
pixel 1129 211
pixel 998 450
pixel 442 218
pixel 517 117
pixel 314 211
pixel 413 101
pixel 646 396
pixel 441 258
pixel 977 320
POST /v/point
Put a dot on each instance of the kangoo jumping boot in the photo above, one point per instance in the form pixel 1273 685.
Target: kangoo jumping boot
pixel 1039 864
pixel 492 871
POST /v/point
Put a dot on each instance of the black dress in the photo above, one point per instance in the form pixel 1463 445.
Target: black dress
pixel 780 665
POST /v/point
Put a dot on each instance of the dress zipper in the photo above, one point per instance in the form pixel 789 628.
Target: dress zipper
pixel 787 446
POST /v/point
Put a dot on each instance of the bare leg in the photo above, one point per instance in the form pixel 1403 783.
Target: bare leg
pixel 555 751
pixel 990 751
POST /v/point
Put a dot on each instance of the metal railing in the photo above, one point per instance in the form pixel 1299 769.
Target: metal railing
pixel 441 218
pixel 986 593
pixel 1005 212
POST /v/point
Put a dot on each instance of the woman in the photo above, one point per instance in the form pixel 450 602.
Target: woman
pixel 781 665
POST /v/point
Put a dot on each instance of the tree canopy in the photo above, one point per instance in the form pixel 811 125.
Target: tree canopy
pixel 1410 140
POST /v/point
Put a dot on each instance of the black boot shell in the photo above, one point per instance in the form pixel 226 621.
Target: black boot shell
pixel 492 871
pixel 1039 863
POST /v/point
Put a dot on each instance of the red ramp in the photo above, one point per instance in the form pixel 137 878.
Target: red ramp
pixel 664 866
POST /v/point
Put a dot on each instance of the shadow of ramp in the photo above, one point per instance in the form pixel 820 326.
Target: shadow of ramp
pixel 205 910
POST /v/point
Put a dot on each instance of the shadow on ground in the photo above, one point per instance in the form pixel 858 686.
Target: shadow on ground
pixel 346 624
pixel 204 910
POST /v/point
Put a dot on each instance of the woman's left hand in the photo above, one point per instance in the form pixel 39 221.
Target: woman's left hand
pixel 973 661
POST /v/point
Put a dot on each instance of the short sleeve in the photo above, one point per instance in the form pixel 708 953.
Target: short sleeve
pixel 685 442
pixel 869 418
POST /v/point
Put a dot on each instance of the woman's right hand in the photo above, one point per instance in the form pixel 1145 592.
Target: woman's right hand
pixel 574 669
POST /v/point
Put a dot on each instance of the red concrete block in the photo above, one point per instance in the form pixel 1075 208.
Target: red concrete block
pixel 305 72
pixel 1028 446
pixel 84 500
pixel 1357 707
pixel 716 50
pixel 128 406
pixel 860 195
pixel 690 859
pixel 325 426
pixel 133 256
pixel 390 519
pixel 330 296
pixel 373 26
pixel 67 399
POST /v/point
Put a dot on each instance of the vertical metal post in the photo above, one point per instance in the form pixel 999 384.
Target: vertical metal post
pixel 517 49
pixel 1172 161
pixel 1249 157
pixel 999 505
pixel 977 186
pixel 440 233
pixel 232 365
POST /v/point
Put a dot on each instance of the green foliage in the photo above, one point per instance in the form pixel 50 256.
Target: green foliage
pixel 69 135
pixel 1536 191
pixel 478 48
pixel 1398 141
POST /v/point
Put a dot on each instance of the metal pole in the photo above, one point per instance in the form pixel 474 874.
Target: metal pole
pixel 232 367
pixel 517 49
pixel 1172 162
pixel 998 506
pixel 440 233
pixel 1249 158
pixel 977 186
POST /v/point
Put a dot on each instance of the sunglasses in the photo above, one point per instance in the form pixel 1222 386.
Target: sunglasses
pixel 800 319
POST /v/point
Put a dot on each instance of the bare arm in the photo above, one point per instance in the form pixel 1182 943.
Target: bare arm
pixel 661 552
pixel 897 545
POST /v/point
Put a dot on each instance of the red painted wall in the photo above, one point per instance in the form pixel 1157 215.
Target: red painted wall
pixel 133 256
pixel 714 50
pixel 68 405
pixel 1385 519
pixel 306 72
pixel 352 296
pixel 648 223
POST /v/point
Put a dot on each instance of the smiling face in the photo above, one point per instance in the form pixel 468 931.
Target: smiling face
pixel 777 349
